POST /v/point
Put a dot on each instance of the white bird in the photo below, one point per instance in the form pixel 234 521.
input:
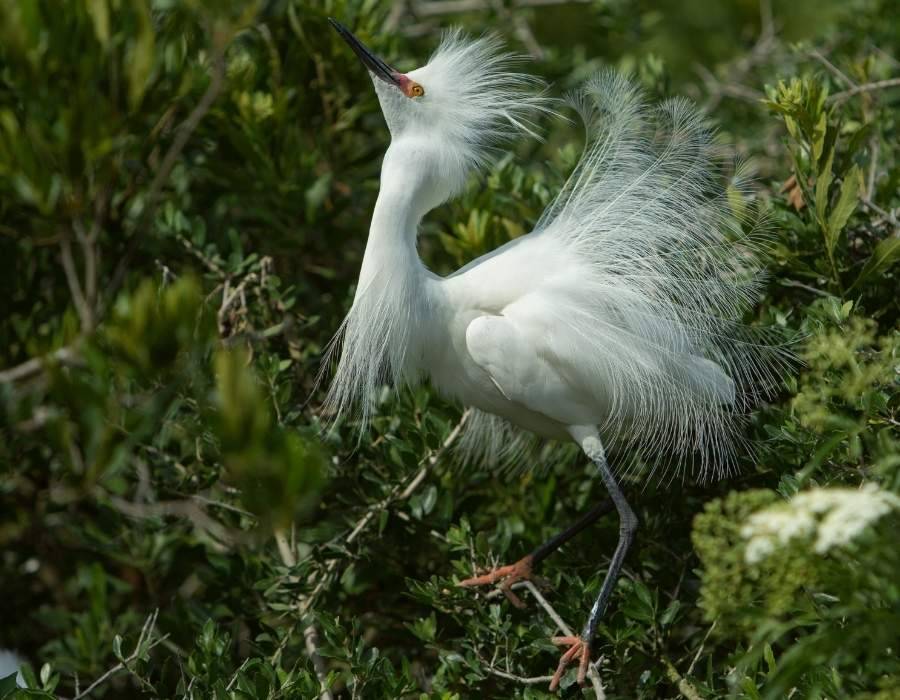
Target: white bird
pixel 615 323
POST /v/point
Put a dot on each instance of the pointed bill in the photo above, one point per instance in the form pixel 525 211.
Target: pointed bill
pixel 376 66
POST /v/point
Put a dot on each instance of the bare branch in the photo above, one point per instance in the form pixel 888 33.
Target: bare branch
pixel 452 7
pixel 65 356
pixel 310 634
pixel 833 69
pixel 376 508
pixel 737 71
pixel 867 87
pixel 81 305
pixel 186 509
pixel 533 680
pixel 593 674
pixel 685 687
pixel 521 28
pixel 145 636
pixel 311 641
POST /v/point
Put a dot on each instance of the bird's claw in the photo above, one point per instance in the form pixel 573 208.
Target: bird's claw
pixel 507 576
pixel 578 648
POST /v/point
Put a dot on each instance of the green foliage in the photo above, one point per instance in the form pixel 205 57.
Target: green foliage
pixel 184 194
pixel 733 592
pixel 829 603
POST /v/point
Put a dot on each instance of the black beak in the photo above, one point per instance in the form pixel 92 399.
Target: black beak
pixel 379 68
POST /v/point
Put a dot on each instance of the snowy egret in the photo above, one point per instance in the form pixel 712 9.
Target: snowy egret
pixel 615 323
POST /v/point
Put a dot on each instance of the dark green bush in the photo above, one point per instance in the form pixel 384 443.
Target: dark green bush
pixel 184 196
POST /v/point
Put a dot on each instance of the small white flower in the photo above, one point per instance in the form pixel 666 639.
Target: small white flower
pixel 834 516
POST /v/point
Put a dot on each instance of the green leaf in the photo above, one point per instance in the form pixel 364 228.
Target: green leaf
pixel 141 56
pixel 886 253
pixel 845 206
pixel 770 658
pixel 99 12
pixel 823 182
pixel 8 684
pixel 818 137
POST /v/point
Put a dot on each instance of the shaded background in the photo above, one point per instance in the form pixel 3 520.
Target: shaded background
pixel 184 198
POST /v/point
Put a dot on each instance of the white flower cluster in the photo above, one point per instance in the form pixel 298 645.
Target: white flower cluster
pixel 834 516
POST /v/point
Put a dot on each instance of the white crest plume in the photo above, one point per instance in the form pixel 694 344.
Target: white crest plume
pixel 474 100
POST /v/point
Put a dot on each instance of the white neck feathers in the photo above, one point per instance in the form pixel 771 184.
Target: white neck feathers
pixel 378 338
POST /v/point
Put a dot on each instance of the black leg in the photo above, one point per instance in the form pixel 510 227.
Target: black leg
pixel 506 576
pixel 558 540
pixel 580 647
pixel 628 523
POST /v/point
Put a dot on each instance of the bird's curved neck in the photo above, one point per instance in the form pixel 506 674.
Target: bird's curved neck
pixel 391 247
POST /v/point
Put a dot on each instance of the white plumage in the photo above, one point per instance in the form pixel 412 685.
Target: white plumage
pixel 621 310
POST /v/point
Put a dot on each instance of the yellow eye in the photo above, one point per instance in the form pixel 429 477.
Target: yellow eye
pixel 416 90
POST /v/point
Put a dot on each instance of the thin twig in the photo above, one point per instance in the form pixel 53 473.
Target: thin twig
pixel 888 216
pixel 835 71
pixel 800 285
pixel 185 509
pixel 873 165
pixel 533 680
pixel 685 687
pixel 452 7
pixel 81 304
pixel 310 634
pixel 700 650
pixel 376 508
pixel 592 673
pixel 67 355
pixel 146 634
pixel 311 641
pixel 867 87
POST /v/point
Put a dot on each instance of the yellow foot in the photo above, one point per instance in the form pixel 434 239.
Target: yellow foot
pixel 507 576
pixel 578 649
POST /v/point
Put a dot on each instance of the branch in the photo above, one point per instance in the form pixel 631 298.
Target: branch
pixel 685 687
pixel 146 634
pixel 78 298
pixel 65 356
pixel 800 285
pixel 394 496
pixel 311 641
pixel 186 509
pixel 566 630
pixel 833 69
pixel 520 26
pixel 310 634
pixel 452 7
pixel 532 680
pixel 867 87
pixel 736 71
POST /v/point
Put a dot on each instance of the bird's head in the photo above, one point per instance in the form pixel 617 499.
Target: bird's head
pixel 447 117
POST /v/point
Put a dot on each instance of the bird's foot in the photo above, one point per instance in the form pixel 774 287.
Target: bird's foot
pixel 578 649
pixel 507 576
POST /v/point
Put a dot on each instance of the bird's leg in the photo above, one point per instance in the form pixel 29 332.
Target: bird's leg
pixel 524 568
pixel 580 647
